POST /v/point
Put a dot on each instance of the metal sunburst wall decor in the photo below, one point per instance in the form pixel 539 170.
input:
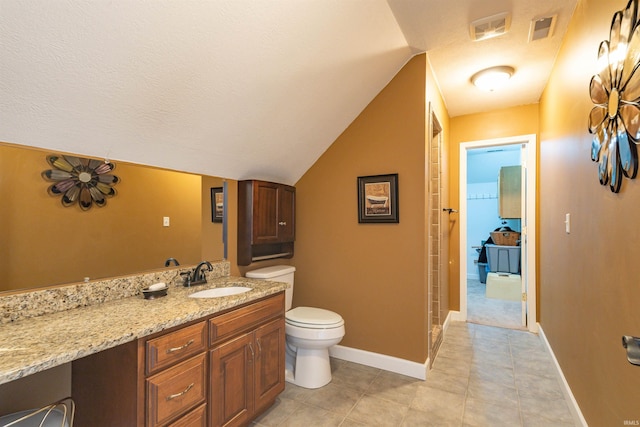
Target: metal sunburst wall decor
pixel 80 180
pixel 614 121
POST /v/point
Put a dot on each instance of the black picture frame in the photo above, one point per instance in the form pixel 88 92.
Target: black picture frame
pixel 378 199
pixel 217 204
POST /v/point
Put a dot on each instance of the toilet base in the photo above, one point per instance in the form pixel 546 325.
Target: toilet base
pixel 308 368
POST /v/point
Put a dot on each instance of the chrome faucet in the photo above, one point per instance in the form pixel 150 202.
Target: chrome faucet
pixel 168 262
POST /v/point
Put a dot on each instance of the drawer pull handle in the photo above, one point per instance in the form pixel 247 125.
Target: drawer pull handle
pixel 182 347
pixel 282 223
pixel 185 391
pixel 259 347
pixel 253 355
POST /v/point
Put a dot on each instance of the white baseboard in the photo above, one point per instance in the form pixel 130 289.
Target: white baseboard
pixel 388 363
pixel 566 390
pixel 457 316
pixel 381 361
pixel 447 321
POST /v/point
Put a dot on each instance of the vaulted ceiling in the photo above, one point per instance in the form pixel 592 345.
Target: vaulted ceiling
pixel 242 88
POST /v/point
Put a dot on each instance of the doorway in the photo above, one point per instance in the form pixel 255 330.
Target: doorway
pixel 524 148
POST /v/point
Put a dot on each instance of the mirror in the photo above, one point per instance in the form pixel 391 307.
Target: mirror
pixel 45 243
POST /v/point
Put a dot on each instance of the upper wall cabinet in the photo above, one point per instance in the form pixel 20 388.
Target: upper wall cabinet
pixel 266 221
pixel 509 187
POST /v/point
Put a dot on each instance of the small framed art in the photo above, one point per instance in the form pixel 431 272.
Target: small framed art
pixel 217 204
pixel 378 199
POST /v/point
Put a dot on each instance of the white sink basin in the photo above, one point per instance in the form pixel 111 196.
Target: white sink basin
pixel 220 292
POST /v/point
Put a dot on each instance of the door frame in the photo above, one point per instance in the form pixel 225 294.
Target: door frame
pixel 528 232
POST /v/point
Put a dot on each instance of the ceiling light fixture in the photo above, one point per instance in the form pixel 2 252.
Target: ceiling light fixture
pixel 492 78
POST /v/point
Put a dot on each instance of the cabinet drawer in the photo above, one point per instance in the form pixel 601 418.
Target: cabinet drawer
pixel 176 390
pixel 195 418
pixel 175 346
pixel 226 325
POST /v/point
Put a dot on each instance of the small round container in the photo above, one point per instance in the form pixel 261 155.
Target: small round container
pixel 155 292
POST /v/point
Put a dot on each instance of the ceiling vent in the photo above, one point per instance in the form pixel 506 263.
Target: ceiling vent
pixel 492 26
pixel 542 28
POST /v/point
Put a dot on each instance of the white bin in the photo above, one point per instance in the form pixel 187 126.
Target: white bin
pixel 504 286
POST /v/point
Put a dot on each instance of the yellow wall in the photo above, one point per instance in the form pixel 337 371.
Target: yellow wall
pixel 371 274
pixel 521 120
pixel 44 243
pixel 590 291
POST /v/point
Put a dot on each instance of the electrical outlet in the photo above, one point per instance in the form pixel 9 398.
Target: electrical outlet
pixel 165 221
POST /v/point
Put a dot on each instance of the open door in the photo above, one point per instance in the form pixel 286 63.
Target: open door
pixel 524 246
pixel 528 220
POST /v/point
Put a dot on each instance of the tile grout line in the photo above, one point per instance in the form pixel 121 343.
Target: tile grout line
pixel 344 418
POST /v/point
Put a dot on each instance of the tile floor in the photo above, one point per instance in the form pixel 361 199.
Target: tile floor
pixel 491 311
pixel 482 376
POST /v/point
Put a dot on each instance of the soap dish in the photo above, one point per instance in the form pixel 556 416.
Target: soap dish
pixel 153 294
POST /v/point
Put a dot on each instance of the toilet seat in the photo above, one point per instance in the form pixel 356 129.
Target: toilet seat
pixel 313 318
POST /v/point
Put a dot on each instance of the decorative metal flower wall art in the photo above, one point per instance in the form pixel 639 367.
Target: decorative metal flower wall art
pixel 614 121
pixel 85 181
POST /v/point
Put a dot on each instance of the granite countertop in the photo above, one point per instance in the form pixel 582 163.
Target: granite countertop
pixel 35 344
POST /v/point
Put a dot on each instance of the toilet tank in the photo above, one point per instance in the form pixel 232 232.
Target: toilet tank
pixel 276 273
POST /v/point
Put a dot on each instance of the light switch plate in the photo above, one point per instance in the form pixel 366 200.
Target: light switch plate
pixel 165 221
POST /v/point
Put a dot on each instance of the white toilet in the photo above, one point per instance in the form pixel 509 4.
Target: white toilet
pixel 309 331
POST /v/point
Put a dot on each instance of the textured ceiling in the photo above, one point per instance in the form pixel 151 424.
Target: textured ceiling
pixel 441 28
pixel 234 88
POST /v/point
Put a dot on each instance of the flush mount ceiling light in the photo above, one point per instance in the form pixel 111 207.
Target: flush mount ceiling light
pixel 492 78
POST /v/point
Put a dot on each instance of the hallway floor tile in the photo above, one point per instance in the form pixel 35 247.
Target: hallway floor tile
pixel 483 376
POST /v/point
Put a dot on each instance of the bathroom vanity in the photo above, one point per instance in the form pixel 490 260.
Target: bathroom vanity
pixel 173 361
pixel 227 367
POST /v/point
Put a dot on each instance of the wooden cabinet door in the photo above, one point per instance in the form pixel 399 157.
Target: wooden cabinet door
pixel 286 214
pixel 273 213
pixel 265 212
pixel 269 363
pixel 232 382
pixel 509 185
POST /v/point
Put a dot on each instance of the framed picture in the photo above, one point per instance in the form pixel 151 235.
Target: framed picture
pixel 378 198
pixel 217 204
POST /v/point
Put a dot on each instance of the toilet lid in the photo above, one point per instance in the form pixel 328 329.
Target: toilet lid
pixel 310 317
